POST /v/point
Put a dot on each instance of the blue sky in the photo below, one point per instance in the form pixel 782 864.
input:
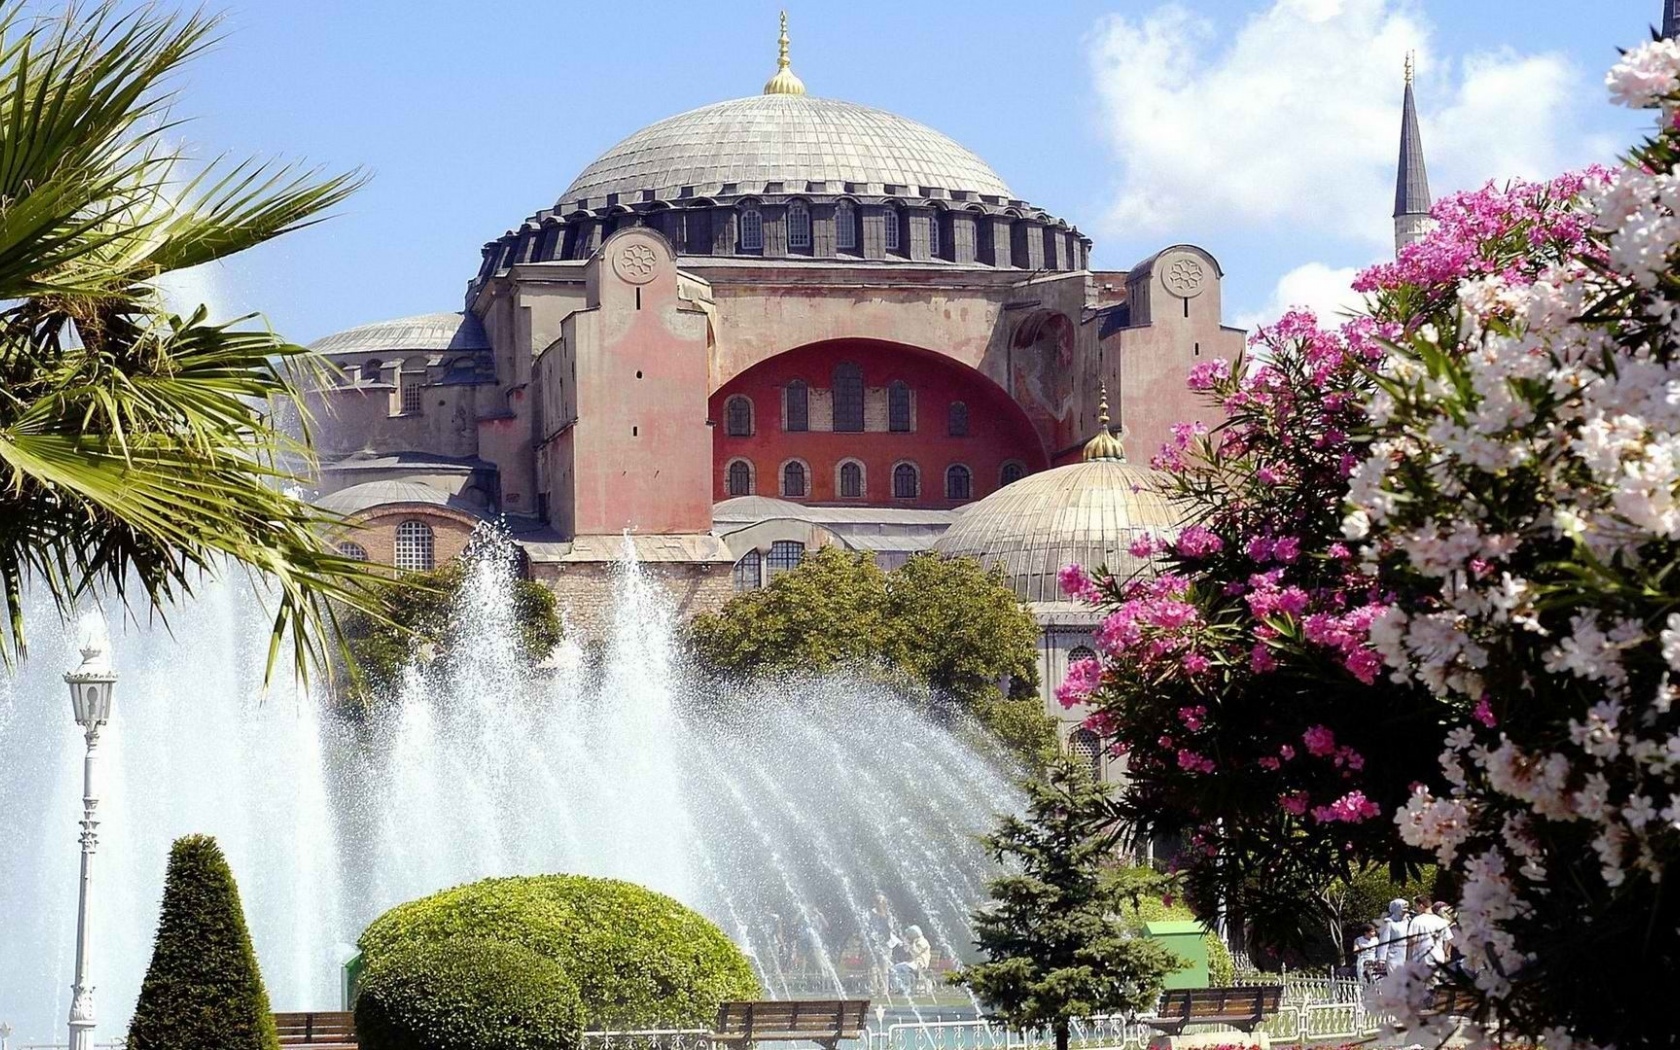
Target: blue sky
pixel 1262 129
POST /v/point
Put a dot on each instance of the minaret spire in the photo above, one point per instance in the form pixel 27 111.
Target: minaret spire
pixel 1411 182
pixel 784 82
pixel 1671 19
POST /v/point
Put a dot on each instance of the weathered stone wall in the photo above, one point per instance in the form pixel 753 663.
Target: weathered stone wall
pixel 588 591
pixel 376 531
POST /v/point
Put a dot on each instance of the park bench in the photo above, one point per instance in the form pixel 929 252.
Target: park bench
pixel 1450 1001
pixel 1241 1008
pixel 324 1030
pixel 821 1021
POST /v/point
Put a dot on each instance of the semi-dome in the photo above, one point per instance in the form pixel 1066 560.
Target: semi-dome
pixel 1086 513
pixel 437 331
pixel 787 139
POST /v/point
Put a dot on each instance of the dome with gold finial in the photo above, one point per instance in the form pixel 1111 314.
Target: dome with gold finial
pixel 784 82
pixel 1087 513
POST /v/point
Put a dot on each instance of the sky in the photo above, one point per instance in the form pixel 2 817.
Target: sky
pixel 1264 130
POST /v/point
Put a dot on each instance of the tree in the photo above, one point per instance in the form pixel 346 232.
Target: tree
pixel 203 987
pixel 945 625
pixel 140 449
pixel 1056 935
pixel 424 616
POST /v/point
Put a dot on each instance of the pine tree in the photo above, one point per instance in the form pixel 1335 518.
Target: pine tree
pixel 1057 942
pixel 203 988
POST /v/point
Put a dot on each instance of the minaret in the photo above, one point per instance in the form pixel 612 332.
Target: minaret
pixel 1671 19
pixel 784 82
pixel 1411 183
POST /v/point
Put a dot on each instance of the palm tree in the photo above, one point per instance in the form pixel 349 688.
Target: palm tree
pixel 141 451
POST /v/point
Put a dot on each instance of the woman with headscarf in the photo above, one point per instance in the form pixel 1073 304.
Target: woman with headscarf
pixel 1391 949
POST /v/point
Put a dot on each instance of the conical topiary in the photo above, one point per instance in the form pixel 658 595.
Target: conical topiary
pixel 203 988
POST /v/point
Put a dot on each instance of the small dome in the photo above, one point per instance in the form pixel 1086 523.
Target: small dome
pixel 792 139
pixel 440 331
pixel 369 494
pixel 1086 514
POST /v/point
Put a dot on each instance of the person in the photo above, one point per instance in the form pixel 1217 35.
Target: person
pixel 1391 949
pixel 912 960
pixel 1365 953
pixel 880 934
pixel 1427 935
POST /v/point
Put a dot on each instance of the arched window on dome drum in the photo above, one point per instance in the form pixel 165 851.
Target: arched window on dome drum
pixel 793 480
pixel 851 481
pixel 933 232
pixel 898 407
pixel 784 555
pixel 845 226
pixel 752 229
pixel 414 547
pixel 848 398
pixel 740 478
pixel 353 551
pixel 956 420
pixel 1051 243
pixel 959 483
pixel 799 225
pixel 738 420
pixel 697 232
pixel 748 572
pixel 907 484
pixel 1011 473
pixel 798 405
pixel 1085 747
pixel 894 224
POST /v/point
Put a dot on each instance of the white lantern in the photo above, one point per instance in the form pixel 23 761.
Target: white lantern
pixel 91 687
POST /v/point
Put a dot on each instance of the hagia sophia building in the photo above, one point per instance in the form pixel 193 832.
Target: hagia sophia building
pixel 774 324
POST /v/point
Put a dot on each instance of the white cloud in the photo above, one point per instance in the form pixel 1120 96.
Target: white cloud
pixel 1326 291
pixel 1291 123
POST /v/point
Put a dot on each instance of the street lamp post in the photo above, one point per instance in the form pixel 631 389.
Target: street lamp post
pixel 91 687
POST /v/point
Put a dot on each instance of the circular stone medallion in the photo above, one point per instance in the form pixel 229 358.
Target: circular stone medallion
pixel 636 262
pixel 1184 275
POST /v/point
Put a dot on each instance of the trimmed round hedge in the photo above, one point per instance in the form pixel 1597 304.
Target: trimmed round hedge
pixel 466 993
pixel 637 958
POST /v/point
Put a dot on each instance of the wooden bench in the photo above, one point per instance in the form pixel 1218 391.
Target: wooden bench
pixel 1450 1001
pixel 1241 1008
pixel 326 1030
pixel 821 1021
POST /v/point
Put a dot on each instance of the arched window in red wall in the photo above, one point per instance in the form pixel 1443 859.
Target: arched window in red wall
pixel 793 479
pixel 851 480
pixel 907 481
pixel 959 483
pixel 956 421
pixel 740 478
pixel 738 417
pixel 848 398
pixel 1012 472
pixel 898 407
pixel 798 406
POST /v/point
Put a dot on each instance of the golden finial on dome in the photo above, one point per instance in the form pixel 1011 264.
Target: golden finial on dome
pixel 784 82
pixel 1106 445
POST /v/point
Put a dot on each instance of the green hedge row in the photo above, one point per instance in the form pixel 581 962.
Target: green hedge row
pixel 466 994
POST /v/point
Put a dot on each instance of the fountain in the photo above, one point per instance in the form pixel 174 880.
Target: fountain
pixel 780 812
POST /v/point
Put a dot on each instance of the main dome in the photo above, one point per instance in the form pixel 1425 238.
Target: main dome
pixel 751 143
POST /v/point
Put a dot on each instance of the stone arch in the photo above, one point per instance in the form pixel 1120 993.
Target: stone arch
pixel 1041 359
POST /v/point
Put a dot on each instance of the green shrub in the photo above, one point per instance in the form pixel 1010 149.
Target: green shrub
pixel 203 988
pixel 466 993
pixel 637 958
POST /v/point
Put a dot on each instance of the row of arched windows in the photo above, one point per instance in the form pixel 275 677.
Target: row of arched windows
pixel 415 549
pixel 740 479
pixel 847 392
pixel 846 232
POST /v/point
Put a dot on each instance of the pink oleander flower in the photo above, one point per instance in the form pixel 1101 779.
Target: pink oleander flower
pixel 1192 716
pixel 1320 741
pixel 1286 549
pixel 1261 660
pixel 1208 374
pixel 1198 542
pixel 1364 665
pixel 1195 663
pixel 1484 712
pixel 1142 547
pixel 1084 677
pixel 1268 762
pixel 1077 583
pixel 1191 762
pixel 1286 752
pixel 1351 808
pixel 1295 803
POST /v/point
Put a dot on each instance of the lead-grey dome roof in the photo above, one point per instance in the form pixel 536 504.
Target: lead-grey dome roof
pixel 790 139
pixel 441 331
pixel 1082 514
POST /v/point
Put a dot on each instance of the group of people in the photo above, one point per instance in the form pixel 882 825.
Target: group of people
pixel 1422 932
pixel 900 961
